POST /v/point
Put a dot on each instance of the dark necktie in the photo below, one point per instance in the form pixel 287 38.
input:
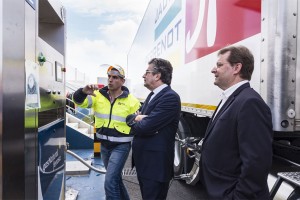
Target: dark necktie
pixel 146 103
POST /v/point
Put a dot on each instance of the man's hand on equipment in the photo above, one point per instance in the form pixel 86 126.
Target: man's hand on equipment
pixel 89 89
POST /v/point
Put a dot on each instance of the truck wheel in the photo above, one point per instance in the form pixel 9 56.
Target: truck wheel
pixel 181 160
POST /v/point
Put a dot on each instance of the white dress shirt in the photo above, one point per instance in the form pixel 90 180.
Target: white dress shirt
pixel 226 94
pixel 157 90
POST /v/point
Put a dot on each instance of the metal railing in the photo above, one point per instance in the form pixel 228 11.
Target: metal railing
pixel 72 87
pixel 102 171
pixel 86 118
pixel 90 118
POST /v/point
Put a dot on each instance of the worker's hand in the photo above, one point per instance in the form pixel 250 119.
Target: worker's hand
pixel 89 89
pixel 139 117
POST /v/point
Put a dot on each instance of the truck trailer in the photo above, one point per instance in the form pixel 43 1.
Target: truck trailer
pixel 189 33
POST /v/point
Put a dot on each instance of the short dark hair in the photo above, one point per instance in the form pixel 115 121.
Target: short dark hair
pixel 240 54
pixel 163 67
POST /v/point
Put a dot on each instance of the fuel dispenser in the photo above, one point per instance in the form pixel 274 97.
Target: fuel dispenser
pixel 32 99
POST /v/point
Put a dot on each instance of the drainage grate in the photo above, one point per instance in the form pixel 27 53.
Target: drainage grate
pixel 129 172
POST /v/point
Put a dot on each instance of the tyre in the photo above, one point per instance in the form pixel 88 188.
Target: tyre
pixel 180 158
pixel 188 126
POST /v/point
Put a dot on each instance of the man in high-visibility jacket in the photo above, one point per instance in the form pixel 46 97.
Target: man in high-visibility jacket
pixel 111 105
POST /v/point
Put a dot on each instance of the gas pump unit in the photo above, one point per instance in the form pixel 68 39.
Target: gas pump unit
pixel 32 99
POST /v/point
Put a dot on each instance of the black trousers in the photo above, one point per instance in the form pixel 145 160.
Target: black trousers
pixel 153 190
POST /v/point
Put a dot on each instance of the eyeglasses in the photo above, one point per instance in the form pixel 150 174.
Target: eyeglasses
pixel 148 71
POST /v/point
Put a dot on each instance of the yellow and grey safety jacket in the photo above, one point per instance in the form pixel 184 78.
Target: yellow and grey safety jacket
pixel 110 118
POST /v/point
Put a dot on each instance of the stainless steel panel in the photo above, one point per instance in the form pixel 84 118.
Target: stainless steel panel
pixel 52 92
pixel 278 61
pixel 13 98
pixel 30 131
pixel 297 104
pixel 51 43
pixel 51 24
pixel 20 43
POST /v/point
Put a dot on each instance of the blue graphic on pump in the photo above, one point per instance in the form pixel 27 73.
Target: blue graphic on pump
pixel 51 157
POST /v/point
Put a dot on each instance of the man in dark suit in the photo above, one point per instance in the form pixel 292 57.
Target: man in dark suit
pixel 155 128
pixel 237 147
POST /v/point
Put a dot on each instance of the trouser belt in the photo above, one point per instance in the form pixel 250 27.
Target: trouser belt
pixel 114 139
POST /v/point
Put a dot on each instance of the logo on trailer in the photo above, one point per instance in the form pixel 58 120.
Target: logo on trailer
pixel 167 23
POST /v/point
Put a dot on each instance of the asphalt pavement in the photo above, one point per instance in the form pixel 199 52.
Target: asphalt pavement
pixel 179 190
pixel 91 185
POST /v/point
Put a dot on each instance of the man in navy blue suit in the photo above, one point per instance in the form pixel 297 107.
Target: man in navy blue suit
pixel 237 147
pixel 155 128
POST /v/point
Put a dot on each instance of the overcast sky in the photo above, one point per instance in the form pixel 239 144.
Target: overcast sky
pixel 100 32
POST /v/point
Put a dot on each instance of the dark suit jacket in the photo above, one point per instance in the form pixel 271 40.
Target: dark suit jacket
pixel 153 143
pixel 237 148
